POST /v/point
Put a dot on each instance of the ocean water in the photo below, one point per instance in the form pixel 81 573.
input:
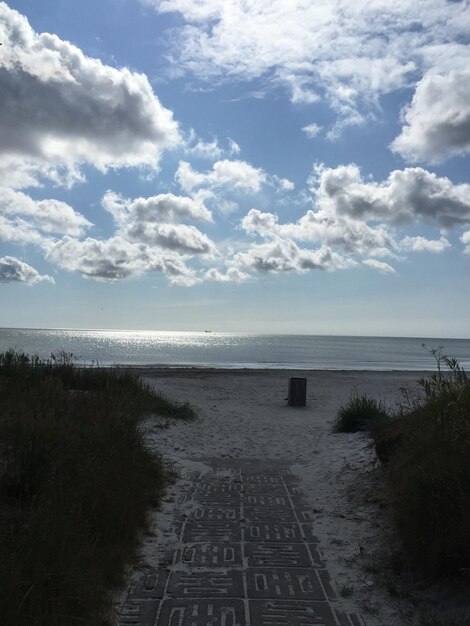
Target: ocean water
pixel 233 350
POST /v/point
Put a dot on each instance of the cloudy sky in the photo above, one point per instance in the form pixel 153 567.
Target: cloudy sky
pixel 266 166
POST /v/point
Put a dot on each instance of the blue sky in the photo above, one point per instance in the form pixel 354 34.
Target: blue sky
pixel 271 166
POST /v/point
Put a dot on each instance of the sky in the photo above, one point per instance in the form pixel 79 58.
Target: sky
pixel 244 166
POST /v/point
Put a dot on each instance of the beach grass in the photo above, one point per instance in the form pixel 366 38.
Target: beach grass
pixel 360 413
pixel 76 485
pixel 425 449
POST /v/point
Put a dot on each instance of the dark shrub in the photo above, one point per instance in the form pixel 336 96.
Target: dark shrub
pixel 427 455
pixel 76 483
pixel 360 413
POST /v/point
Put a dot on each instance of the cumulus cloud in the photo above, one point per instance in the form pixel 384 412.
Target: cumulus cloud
pixel 347 52
pixel 408 196
pixel 356 221
pixel 385 268
pixel 421 244
pixel 238 174
pixel 60 108
pixel 323 227
pixel 13 270
pixel 165 207
pixel 49 216
pixel 19 231
pixel 152 221
pixel 437 124
pixel 113 259
pixel 284 255
pixel 231 275
pixel 178 237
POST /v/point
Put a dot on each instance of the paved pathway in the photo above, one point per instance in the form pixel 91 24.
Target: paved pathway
pixel 247 556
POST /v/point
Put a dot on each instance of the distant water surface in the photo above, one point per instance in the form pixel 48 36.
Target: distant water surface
pixel 231 350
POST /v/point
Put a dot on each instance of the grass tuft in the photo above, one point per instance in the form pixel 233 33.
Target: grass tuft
pixel 76 483
pixel 360 413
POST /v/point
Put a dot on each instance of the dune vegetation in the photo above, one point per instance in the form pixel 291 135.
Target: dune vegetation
pixel 76 485
pixel 424 447
pixel 425 450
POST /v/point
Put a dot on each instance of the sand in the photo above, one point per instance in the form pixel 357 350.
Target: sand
pixel 244 414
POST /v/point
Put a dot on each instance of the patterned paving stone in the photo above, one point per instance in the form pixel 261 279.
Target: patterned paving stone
pixel 261 513
pixel 211 555
pixel 202 613
pixel 290 613
pixel 278 489
pixel 288 584
pixel 151 584
pixel 277 555
pixel 225 500
pixel 198 532
pixel 215 514
pixel 308 531
pixel 272 531
pixel 206 584
pixel 219 486
pixel 247 555
pixel 263 479
pixel 139 613
pixel 265 500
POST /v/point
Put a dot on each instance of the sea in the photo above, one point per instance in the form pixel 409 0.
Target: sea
pixel 236 350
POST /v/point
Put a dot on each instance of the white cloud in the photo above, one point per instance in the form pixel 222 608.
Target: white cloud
pixel 113 259
pixel 283 184
pixel 60 108
pixel 312 130
pixel 238 174
pixel 465 239
pixel 18 231
pixel 356 220
pixel 347 52
pixel 232 275
pixel 437 124
pixel 322 227
pixel 13 270
pixel 152 221
pixel 421 244
pixel 197 148
pixel 49 216
pixel 385 268
pixel 165 207
pixel 178 237
pixel 284 255
pixel 408 196
pixel 234 148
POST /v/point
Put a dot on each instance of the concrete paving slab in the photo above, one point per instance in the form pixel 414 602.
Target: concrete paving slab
pixel 246 555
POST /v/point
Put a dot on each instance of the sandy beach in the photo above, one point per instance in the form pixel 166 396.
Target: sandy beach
pixel 244 415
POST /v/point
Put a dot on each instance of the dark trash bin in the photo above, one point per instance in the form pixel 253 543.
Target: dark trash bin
pixel 297 395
